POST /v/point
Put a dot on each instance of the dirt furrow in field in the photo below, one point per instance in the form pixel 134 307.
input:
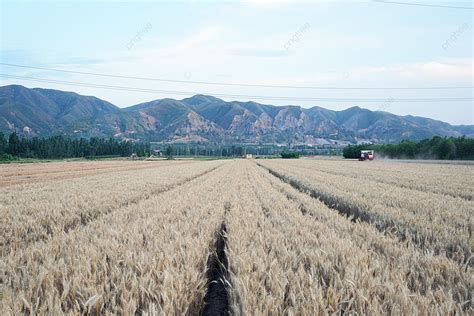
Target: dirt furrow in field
pixel 216 300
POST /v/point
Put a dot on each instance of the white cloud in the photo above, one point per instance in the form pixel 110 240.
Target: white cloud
pixel 457 70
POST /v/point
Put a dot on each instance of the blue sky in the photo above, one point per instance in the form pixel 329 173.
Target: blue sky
pixel 317 43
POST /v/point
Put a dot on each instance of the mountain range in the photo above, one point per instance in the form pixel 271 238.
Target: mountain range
pixel 201 118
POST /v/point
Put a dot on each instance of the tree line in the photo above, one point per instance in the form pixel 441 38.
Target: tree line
pixel 213 150
pixel 239 150
pixel 55 147
pixel 443 148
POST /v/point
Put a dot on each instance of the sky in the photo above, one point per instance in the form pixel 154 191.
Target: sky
pixel 336 44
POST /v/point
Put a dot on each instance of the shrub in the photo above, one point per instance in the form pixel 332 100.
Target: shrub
pixel 7 157
pixel 290 155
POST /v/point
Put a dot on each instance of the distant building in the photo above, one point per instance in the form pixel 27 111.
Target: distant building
pixel 248 156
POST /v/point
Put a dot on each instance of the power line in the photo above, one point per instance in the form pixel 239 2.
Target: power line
pixel 424 5
pixel 231 84
pixel 259 97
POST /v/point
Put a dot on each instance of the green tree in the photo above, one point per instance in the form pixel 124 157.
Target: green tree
pixel 169 152
pixel 353 151
pixel 290 155
pixel 239 151
pixel 3 144
pixel 13 144
pixel 464 148
pixel 446 149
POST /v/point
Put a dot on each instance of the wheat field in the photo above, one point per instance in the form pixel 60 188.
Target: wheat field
pixel 240 237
